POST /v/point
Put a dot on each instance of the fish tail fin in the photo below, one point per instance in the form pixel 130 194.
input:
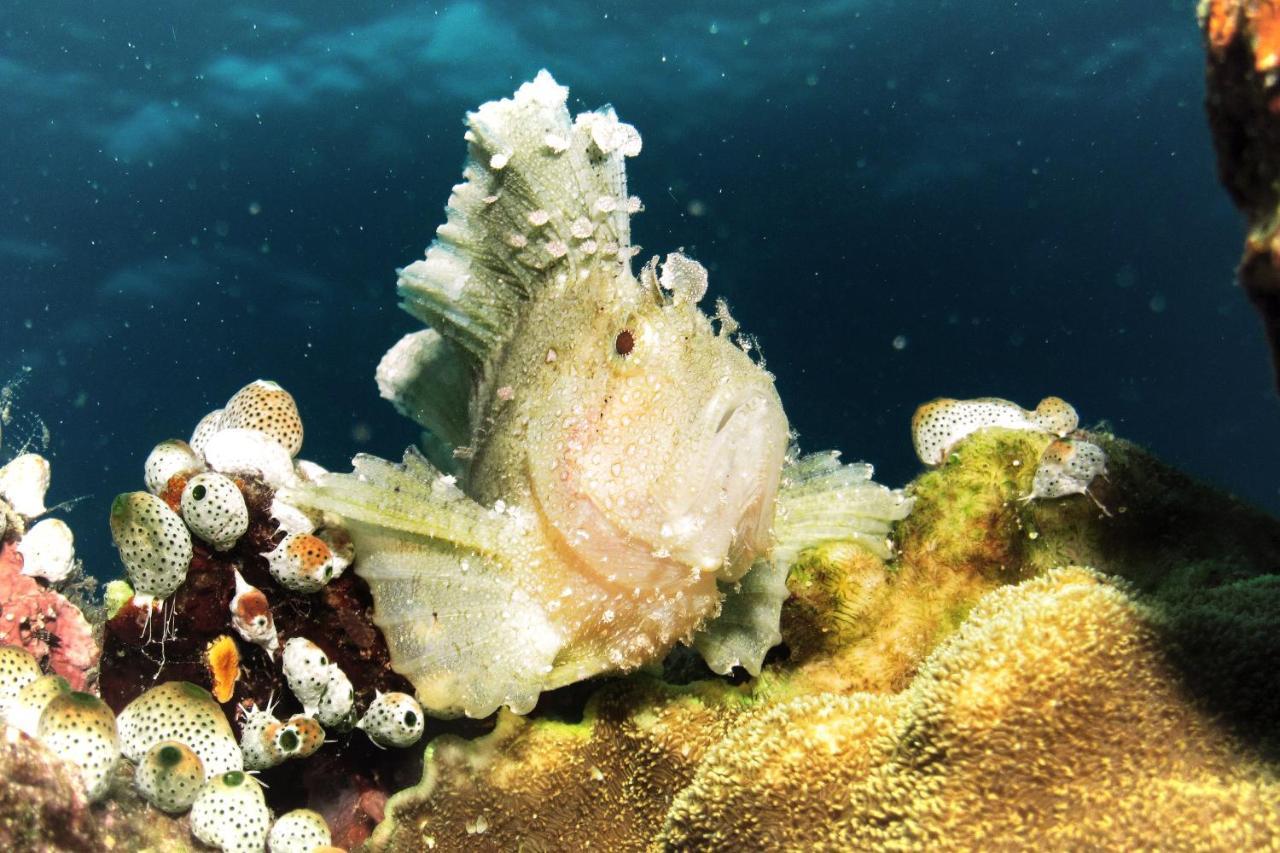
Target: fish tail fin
pixel 819 500
pixel 457 623
pixel 543 194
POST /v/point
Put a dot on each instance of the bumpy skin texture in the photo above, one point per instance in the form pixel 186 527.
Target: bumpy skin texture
pixel 970 693
pixel 1242 38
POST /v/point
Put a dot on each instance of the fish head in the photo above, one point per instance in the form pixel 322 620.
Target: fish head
pixel 658 444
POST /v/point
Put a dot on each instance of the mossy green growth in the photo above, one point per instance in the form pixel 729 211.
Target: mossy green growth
pixel 969 514
pixel 1200 559
pixel 836 590
pixel 116 595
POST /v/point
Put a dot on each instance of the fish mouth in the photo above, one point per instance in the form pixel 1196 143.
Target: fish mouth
pixel 729 484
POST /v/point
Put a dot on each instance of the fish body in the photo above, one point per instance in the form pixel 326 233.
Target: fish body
pixel 609 471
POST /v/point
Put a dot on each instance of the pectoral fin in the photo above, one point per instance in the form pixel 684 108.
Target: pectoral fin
pixel 820 500
pixel 747 626
pixel 456 619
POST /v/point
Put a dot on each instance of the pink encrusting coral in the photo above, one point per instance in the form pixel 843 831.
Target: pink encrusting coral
pixel 42 621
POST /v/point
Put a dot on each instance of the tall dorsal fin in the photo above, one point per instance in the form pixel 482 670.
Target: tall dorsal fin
pixel 543 194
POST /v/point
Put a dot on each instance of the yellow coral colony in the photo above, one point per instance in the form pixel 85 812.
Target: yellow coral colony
pixel 611 473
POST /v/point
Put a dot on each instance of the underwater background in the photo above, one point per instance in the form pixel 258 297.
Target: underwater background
pixel 899 200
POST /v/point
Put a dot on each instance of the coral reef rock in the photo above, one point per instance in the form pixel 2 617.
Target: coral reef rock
pixel 1242 39
pixel 42 583
pixel 44 622
pixel 981 689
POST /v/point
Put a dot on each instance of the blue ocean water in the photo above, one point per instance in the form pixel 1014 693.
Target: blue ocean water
pixel 901 200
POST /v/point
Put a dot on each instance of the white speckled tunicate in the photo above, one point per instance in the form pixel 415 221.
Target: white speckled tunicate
pixel 256 744
pixel 298 831
pixel 18 668
pixel 24 482
pixel 205 430
pixel 310 734
pixel 393 719
pixel 167 460
pixel 170 776
pixel 251 616
pixel 231 813
pixel 214 509
pixel 265 406
pixel 337 706
pixel 302 562
pixel 180 710
pixel 154 543
pixel 941 424
pixel 48 550
pixel 306 668
pixel 80 728
pixel 1067 467
pixel 24 713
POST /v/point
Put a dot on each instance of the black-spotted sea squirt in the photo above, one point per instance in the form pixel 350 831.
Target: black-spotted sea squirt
pixel 609 470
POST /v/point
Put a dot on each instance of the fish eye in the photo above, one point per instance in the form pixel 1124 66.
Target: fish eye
pixel 624 343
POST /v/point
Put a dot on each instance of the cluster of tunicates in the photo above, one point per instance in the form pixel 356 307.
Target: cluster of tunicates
pixel 184 753
pixel 195 493
pixel 328 702
pixel 1066 467
pixel 941 424
pixel 198 502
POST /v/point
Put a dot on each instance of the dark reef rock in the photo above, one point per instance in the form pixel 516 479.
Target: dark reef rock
pixel 1243 101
